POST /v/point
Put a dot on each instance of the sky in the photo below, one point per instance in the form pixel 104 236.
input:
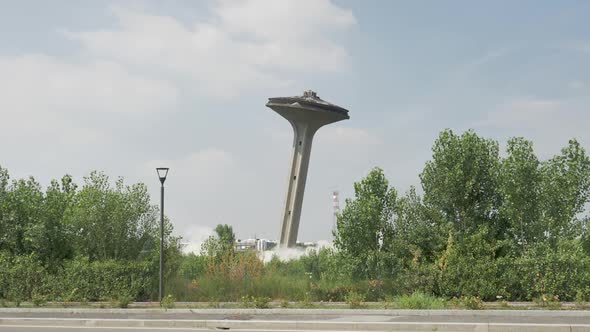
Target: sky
pixel 126 86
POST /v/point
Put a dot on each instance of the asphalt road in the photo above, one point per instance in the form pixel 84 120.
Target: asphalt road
pixel 93 320
pixel 103 329
pixel 459 316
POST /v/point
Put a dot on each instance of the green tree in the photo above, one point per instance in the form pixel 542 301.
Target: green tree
pixel 113 223
pixel 51 241
pixel 565 191
pixel 461 181
pixel 23 208
pixel 226 236
pixel 4 235
pixel 221 244
pixel 520 187
pixel 365 226
pixel 420 233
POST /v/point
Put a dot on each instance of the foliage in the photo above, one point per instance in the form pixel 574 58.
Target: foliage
pixel 365 225
pixel 70 244
pixel 461 181
pixel 112 222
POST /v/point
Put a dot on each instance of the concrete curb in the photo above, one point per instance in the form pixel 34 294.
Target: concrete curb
pixel 340 312
pixel 297 325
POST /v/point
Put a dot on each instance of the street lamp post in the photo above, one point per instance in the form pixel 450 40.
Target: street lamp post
pixel 162 173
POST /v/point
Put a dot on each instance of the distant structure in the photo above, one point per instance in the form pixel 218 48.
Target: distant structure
pixel 336 206
pixel 307 114
pixel 259 245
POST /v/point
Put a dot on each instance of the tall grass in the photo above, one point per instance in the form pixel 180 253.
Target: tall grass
pixel 419 300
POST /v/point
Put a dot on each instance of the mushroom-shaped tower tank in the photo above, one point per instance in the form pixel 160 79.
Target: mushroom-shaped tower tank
pixel 307 114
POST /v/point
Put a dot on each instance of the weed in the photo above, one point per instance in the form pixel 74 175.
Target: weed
pixel 213 304
pixel 38 300
pixel 471 302
pixel 354 300
pixel 306 302
pixel 261 302
pixel 548 301
pixel 580 299
pixel 419 300
pixel 124 300
pixel 168 302
pixel 388 302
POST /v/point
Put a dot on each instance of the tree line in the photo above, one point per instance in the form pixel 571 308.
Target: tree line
pixel 484 224
pixel 66 242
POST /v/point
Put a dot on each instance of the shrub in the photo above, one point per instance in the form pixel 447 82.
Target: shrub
pixel 93 281
pixel 25 278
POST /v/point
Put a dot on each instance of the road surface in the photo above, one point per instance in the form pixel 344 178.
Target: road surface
pixel 91 320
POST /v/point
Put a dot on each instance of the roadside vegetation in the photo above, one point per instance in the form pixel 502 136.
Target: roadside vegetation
pixel 485 226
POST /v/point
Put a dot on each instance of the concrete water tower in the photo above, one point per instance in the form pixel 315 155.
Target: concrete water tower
pixel 307 114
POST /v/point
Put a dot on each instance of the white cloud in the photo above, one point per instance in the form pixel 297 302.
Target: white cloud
pixel 42 95
pixel 37 82
pixel 245 46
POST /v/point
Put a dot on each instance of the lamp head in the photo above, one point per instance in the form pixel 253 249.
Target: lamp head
pixel 162 173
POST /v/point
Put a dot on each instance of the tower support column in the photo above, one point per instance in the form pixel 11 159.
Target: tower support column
pixel 302 141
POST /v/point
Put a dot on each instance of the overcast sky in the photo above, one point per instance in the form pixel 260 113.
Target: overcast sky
pixel 126 86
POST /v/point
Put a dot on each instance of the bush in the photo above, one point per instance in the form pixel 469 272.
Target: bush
pixel 468 268
pixel 94 281
pixel 419 300
pixel 562 271
pixel 25 277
